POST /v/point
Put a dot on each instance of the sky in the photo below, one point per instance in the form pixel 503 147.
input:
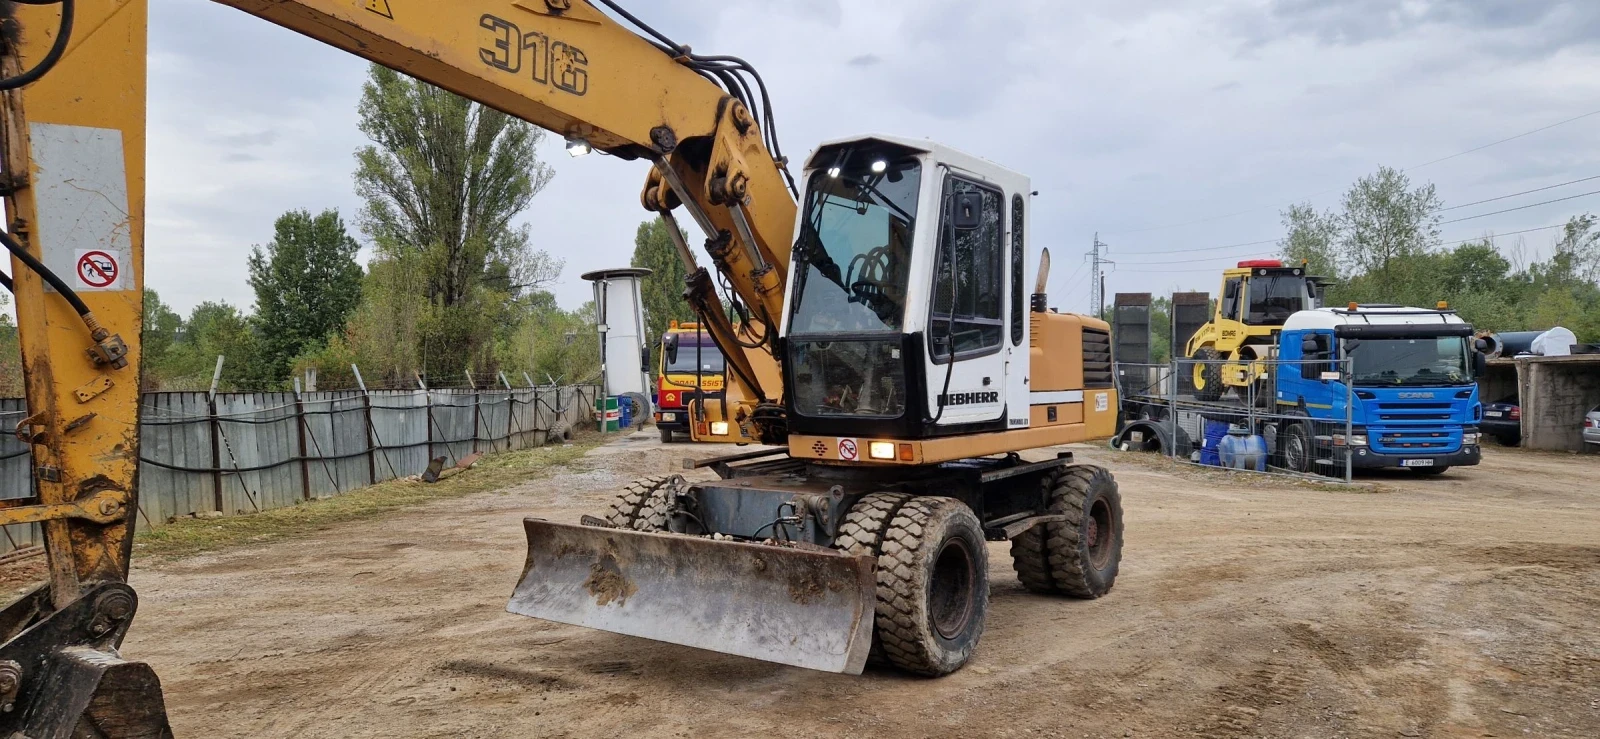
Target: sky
pixel 1168 127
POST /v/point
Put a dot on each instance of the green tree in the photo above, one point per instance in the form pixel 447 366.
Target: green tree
pixel 218 329
pixel 662 290
pixel 10 355
pixel 442 183
pixel 1312 238
pixel 306 282
pixel 1384 221
pixel 162 327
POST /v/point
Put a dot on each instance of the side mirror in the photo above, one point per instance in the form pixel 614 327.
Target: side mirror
pixel 1482 345
pixel 968 213
pixel 1480 363
pixel 645 365
pixel 670 348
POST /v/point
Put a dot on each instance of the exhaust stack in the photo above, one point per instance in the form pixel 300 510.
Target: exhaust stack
pixel 1039 299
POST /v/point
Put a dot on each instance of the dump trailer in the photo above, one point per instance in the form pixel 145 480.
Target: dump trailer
pixel 1408 376
pixel 915 370
pixel 1231 350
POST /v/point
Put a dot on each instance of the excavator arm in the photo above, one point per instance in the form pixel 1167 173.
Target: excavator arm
pixel 73 130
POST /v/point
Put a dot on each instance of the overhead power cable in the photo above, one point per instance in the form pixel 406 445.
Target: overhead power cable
pixel 1502 141
pixel 1407 169
pixel 1521 207
pixel 1515 194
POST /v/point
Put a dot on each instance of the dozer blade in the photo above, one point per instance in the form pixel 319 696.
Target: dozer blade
pixel 797 607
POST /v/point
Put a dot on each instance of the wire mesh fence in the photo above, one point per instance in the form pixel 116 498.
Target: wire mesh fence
pixel 244 452
pixel 1266 416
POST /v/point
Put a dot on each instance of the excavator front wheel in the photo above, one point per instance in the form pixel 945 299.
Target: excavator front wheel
pixel 933 586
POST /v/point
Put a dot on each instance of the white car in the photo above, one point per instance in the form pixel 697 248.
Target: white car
pixel 1591 426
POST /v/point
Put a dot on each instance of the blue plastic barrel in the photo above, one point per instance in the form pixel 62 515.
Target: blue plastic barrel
pixel 1242 450
pixel 1215 432
pixel 626 406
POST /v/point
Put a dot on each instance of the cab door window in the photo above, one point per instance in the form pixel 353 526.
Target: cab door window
pixel 1231 294
pixel 968 285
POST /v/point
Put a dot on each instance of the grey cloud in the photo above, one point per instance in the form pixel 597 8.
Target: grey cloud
pixel 865 60
pixel 1517 27
pixel 238 158
pixel 259 138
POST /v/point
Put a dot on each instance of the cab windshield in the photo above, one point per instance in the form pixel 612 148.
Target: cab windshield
pixel 704 358
pixel 1275 297
pixel 853 257
pixel 1439 360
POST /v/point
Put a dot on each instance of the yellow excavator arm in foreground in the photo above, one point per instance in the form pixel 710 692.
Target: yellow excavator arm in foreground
pixel 73 129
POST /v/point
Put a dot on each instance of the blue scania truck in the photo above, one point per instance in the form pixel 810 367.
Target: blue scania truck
pixel 1408 376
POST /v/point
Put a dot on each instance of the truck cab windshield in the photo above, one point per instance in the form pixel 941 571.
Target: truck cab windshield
pixel 853 257
pixel 1439 360
pixel 690 359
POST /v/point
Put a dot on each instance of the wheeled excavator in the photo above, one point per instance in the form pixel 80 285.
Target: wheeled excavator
pixel 886 351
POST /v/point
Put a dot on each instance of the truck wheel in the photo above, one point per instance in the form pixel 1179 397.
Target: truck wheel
pixel 1208 377
pixel 861 532
pixel 630 503
pixel 1081 555
pixel 666 435
pixel 933 586
pixel 1297 449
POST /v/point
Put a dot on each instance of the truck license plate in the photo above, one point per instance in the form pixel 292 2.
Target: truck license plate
pixel 1492 414
pixel 1416 463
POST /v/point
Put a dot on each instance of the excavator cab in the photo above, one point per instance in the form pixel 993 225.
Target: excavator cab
pixel 1231 351
pixel 898 322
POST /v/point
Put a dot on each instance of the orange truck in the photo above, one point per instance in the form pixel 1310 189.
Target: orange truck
pixel 690 365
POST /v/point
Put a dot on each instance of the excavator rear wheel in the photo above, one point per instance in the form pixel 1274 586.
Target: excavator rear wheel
pixel 1208 374
pixel 1080 556
pixel 933 586
pixel 625 511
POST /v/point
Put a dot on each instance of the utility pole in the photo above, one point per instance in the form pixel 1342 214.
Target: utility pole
pixel 1097 276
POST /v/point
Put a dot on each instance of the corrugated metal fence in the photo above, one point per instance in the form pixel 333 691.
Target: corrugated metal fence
pixel 247 452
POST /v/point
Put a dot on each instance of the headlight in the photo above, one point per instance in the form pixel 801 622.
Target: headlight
pixel 1355 440
pixel 1469 439
pixel 719 428
pixel 881 450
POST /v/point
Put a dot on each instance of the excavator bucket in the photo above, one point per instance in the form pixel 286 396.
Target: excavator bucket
pixel 802 607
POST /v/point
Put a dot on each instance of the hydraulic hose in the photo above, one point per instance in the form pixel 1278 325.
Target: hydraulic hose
pixel 57 49
pixel 38 268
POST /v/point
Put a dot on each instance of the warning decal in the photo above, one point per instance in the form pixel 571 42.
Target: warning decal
pixel 847 450
pixel 98 270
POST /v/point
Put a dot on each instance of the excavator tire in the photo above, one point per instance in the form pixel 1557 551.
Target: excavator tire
pixel 653 512
pixel 1208 372
pixel 862 532
pixel 933 586
pixel 1078 557
pixel 625 510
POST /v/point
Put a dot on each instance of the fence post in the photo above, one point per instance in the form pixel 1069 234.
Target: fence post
pixel 427 404
pixel 300 429
pixel 1349 419
pixel 372 447
pixel 216 437
pixel 511 409
pixel 477 411
pixel 1172 408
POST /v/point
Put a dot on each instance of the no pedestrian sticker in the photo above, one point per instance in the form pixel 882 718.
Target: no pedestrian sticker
pixel 98 270
pixel 847 450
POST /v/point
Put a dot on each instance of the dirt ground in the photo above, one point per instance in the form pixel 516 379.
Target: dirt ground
pixel 1460 606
